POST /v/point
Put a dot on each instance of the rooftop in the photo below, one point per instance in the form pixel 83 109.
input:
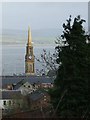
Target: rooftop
pixel 11 94
pixel 37 95
pixel 31 79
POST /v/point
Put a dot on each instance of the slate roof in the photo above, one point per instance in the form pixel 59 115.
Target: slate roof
pixel 10 94
pixel 37 95
pixel 30 79
pixel 19 84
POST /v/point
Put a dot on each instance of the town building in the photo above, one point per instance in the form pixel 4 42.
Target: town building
pixel 10 98
pixel 39 99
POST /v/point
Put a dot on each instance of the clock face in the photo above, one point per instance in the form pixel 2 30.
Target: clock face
pixel 30 57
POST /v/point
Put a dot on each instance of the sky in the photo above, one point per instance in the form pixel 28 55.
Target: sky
pixel 40 15
pixel 89 16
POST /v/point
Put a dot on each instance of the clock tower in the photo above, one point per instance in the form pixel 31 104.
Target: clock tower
pixel 29 57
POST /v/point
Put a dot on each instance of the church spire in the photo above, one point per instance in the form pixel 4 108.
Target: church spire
pixel 29 57
pixel 29 37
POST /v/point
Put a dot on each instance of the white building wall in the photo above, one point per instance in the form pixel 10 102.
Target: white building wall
pixel 2 106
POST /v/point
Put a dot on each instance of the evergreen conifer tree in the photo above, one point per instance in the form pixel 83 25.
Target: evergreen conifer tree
pixel 70 96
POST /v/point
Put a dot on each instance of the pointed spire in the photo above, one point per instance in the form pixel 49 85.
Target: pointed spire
pixel 29 37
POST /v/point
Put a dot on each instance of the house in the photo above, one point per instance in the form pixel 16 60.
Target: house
pixel 47 85
pixel 39 99
pixel 10 98
pixel 25 87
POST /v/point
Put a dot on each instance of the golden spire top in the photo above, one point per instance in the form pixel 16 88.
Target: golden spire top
pixel 29 37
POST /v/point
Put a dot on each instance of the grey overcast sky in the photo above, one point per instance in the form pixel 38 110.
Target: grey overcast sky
pixel 40 15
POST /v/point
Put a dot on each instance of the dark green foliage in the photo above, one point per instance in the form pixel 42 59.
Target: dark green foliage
pixel 74 71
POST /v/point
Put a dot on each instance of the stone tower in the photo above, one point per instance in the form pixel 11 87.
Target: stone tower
pixel 29 57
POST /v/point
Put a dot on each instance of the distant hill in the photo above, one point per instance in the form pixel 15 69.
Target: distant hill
pixel 41 36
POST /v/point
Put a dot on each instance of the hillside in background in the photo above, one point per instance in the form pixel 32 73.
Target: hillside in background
pixel 41 36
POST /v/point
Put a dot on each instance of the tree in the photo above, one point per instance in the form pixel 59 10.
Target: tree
pixel 48 62
pixel 71 97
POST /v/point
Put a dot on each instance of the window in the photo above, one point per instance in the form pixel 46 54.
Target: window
pixel 33 84
pixel 28 86
pixel 13 102
pixel 4 102
pixel 9 102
